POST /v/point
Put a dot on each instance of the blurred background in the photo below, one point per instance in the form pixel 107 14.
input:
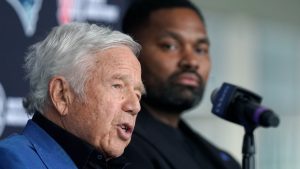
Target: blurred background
pixel 254 44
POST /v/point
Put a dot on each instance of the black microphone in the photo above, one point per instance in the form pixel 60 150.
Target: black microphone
pixel 242 107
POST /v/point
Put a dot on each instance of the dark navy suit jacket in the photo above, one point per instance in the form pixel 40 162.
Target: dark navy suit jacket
pixel 152 148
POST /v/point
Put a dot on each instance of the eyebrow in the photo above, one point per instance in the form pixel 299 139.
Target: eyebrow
pixel 140 87
pixel 202 40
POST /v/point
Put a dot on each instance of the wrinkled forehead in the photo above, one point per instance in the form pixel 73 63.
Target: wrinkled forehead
pixel 118 59
pixel 117 55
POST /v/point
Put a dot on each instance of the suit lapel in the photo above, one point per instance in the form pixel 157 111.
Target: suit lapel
pixel 52 155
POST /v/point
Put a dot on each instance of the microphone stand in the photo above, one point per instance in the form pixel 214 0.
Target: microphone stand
pixel 248 149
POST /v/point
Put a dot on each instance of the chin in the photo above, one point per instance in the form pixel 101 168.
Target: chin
pixel 115 148
pixel 115 151
pixel 114 154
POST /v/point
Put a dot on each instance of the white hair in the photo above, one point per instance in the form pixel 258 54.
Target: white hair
pixel 67 51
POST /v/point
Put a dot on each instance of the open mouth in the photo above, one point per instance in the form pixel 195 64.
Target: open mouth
pixel 126 128
pixel 125 131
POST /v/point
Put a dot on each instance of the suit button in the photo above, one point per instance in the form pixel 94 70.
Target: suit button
pixel 99 156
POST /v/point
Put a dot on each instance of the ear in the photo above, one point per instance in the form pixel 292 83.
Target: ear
pixel 60 94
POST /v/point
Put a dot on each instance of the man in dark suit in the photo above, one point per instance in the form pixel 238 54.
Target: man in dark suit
pixel 176 63
pixel 85 87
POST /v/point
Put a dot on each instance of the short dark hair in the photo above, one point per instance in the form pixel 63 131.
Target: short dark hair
pixel 139 11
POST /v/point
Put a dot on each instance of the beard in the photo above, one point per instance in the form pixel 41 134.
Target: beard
pixel 172 97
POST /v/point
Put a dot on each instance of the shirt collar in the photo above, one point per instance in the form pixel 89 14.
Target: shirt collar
pixel 79 151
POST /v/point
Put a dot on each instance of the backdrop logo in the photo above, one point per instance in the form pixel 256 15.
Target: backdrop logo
pixel 2 109
pixel 28 12
pixel 83 10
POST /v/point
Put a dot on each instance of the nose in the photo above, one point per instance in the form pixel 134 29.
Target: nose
pixel 131 104
pixel 188 59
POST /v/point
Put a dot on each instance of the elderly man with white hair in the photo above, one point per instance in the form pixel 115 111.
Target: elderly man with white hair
pixel 85 91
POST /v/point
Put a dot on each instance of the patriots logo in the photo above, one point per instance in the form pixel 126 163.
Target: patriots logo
pixel 84 10
pixel 28 12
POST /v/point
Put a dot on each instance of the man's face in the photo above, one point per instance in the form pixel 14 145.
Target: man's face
pixel 175 59
pixel 107 117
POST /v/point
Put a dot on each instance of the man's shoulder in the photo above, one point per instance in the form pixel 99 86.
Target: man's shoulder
pixel 150 143
pixel 216 154
pixel 34 149
pixel 17 152
pixel 14 143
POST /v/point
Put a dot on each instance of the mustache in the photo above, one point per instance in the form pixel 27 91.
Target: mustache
pixel 175 75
